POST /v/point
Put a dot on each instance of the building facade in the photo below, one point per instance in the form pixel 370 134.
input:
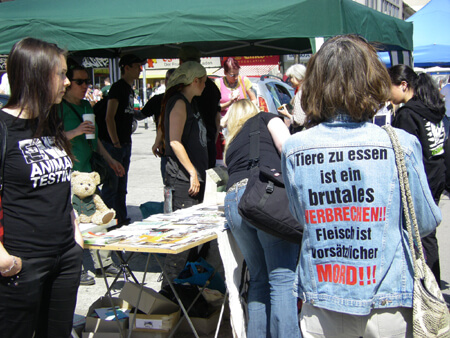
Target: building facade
pixel 397 8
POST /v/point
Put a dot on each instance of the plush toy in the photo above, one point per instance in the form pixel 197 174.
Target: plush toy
pixel 89 206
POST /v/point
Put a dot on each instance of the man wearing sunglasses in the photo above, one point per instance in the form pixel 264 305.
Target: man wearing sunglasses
pixel 117 138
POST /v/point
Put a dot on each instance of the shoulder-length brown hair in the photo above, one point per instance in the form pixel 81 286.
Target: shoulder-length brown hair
pixel 31 67
pixel 344 76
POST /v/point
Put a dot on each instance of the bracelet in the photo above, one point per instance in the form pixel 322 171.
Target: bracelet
pixel 11 267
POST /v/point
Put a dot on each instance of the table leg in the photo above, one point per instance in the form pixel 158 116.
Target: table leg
pixel 221 314
pixel 133 317
pixel 108 292
pixel 124 267
pixel 178 300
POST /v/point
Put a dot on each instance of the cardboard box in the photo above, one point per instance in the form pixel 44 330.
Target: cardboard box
pixel 151 302
pixel 216 181
pixel 203 326
pixel 147 334
pixel 101 335
pixel 134 334
pixel 155 322
pixel 99 325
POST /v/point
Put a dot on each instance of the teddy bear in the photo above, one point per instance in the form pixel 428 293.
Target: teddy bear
pixel 89 205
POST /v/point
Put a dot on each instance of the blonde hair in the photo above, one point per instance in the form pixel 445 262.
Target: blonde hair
pixel 238 114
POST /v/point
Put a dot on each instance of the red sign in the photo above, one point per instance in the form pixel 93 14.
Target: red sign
pixel 255 60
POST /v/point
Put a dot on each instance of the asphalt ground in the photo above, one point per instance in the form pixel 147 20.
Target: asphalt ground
pixel 145 184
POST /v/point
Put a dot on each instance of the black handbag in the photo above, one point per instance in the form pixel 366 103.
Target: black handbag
pixel 97 161
pixel 264 203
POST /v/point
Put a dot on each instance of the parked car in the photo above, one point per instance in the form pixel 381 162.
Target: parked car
pixel 3 99
pixel 271 92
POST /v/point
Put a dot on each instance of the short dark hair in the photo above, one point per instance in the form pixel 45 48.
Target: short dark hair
pixel 73 66
pixel 230 63
pixel 344 76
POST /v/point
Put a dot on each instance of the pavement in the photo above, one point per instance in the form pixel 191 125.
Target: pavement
pixel 145 184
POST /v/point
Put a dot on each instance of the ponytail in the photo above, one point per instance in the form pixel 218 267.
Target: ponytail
pixel 427 92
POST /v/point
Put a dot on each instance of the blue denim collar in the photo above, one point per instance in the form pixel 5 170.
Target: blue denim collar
pixel 341 117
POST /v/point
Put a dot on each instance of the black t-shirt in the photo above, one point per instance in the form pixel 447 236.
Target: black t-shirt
pixel 208 106
pixel 122 92
pixel 36 193
pixel 239 150
pixel 193 140
pixel 153 107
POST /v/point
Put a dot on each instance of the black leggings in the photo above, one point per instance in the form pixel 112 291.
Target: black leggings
pixel 41 299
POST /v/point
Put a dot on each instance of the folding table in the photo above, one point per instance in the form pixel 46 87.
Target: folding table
pixel 153 250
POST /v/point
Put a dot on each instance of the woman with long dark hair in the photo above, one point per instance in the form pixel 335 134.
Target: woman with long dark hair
pixel 40 259
pixel 422 116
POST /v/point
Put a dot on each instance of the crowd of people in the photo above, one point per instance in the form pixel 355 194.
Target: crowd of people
pixel 352 272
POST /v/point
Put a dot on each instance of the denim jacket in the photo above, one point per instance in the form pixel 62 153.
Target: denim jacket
pixel 342 183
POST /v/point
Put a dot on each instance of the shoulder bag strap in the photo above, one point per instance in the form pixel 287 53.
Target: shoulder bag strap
pixel 253 157
pixel 79 116
pixel 244 89
pixel 407 202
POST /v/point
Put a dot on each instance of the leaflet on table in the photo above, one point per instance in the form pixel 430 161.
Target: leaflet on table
pixel 165 231
pixel 200 214
pixel 100 238
pixel 85 227
pixel 168 237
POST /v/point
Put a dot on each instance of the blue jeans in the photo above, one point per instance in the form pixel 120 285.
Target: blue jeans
pixel 114 190
pixel 272 262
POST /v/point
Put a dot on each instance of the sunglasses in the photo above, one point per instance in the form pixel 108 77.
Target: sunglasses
pixel 81 81
pixel 233 75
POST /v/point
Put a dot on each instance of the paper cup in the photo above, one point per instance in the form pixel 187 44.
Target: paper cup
pixel 91 118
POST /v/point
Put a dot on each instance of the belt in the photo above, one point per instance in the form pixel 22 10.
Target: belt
pixel 237 185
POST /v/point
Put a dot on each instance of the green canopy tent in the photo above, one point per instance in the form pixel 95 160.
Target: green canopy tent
pixel 157 29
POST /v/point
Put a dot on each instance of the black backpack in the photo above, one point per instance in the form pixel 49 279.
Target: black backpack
pixel 100 116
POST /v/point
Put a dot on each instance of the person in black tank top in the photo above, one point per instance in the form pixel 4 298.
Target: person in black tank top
pixel 185 147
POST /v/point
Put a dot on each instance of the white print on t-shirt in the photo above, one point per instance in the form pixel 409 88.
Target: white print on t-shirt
pixel 436 137
pixel 130 108
pixel 49 164
pixel 201 130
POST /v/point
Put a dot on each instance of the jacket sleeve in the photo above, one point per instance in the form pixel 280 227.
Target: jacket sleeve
pixel 427 212
pixel 287 168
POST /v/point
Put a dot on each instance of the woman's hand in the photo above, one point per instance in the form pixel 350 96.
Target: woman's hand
pixel 195 184
pixel 12 266
pixel 283 111
pixel 118 168
pixel 86 127
pixel 157 149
